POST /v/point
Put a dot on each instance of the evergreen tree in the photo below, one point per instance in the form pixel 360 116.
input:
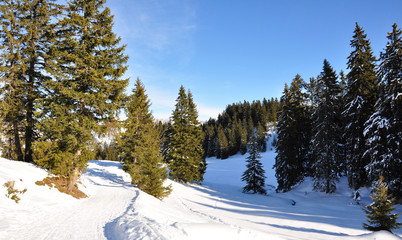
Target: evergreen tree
pixel 140 146
pixel 27 34
pixel 243 141
pixel 293 131
pixel 223 145
pixel 261 135
pixel 379 213
pixel 197 136
pixel 183 142
pixel 254 176
pixel 86 89
pixel 12 69
pixel 288 171
pixel 326 132
pixel 360 100
pixel 40 24
pixel 383 129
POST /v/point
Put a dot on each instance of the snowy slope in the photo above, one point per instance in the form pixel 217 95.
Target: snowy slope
pixel 215 210
pixel 45 213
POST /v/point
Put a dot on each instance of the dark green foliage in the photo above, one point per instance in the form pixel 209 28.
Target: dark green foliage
pixel 243 140
pixel 254 176
pixel 183 146
pixel 223 145
pixel 12 69
pixel 86 89
pixel 379 213
pixel 239 122
pixel 26 37
pixel 326 132
pixel 261 138
pixel 383 129
pixel 107 152
pixel 360 99
pixel 293 131
pixel 140 146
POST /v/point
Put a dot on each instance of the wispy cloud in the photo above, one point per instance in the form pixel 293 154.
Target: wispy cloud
pixel 155 27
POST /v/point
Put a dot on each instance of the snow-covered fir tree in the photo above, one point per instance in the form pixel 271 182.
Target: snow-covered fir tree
pixel 360 100
pixel 384 128
pixel 380 214
pixel 254 176
pixel 326 132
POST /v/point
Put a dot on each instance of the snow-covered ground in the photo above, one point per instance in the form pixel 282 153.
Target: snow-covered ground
pixel 217 209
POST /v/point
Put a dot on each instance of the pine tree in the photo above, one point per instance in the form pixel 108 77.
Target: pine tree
pixel 326 132
pixel 383 129
pixel 140 146
pixel 197 154
pixel 254 176
pixel 379 213
pixel 292 149
pixel 28 35
pixel 86 89
pixel 183 142
pixel 261 135
pixel 243 141
pixel 360 100
pixel 40 24
pixel 12 68
pixel 223 145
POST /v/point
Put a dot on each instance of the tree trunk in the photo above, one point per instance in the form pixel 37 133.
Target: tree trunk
pixel 29 115
pixel 18 151
pixel 73 179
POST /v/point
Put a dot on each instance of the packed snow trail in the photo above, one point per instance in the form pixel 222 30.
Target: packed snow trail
pixel 44 214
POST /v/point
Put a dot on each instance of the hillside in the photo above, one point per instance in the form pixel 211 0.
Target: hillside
pixel 215 210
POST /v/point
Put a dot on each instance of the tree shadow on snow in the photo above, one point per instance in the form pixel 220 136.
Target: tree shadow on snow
pixel 108 179
pixel 231 199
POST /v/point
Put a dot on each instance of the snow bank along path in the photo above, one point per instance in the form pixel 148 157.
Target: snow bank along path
pixel 49 214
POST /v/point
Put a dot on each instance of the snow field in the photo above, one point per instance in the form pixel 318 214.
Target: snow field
pixel 217 209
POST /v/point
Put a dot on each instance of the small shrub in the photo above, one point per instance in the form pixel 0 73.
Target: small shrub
pixel 13 193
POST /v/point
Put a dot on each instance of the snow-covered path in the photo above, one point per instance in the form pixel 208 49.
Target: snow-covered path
pixel 53 215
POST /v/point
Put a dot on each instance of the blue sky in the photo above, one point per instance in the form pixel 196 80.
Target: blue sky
pixel 227 51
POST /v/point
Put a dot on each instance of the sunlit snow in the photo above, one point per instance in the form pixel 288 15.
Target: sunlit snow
pixel 217 209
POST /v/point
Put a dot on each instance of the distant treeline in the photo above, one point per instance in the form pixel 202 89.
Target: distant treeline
pixel 230 132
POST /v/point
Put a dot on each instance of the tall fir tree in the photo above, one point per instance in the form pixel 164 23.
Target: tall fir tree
pixel 380 214
pixel 12 70
pixel 326 132
pixel 360 100
pixel 86 89
pixel 40 22
pixel 383 129
pixel 254 176
pixel 28 35
pixel 140 146
pixel 288 170
pixel 183 150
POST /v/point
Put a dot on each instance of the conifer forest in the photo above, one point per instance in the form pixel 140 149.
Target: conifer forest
pixel 63 86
